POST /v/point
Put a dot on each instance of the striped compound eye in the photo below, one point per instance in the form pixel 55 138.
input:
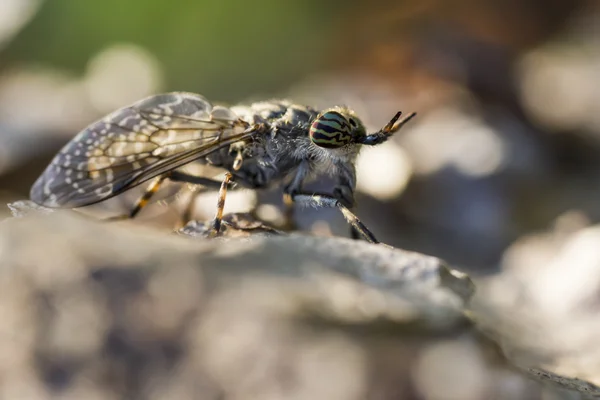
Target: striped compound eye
pixel 331 130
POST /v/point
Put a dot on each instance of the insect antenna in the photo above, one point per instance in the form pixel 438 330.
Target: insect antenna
pixel 388 130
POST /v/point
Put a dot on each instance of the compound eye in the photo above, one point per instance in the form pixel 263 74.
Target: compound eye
pixel 331 130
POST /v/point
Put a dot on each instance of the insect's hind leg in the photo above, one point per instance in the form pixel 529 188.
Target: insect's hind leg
pixel 175 176
pixel 179 176
pixel 142 201
pixel 216 225
pixel 326 201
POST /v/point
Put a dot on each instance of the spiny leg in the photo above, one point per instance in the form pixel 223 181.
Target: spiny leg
pixel 220 206
pixel 358 228
pixel 178 176
pixel 326 201
pixel 354 233
pixel 175 176
pixel 143 200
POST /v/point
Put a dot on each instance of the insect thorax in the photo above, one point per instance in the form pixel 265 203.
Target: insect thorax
pixel 285 128
pixel 280 147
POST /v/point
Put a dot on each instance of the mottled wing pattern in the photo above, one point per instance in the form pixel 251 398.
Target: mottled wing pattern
pixel 135 144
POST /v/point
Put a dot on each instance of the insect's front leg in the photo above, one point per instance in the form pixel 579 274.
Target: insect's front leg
pixel 327 201
pixel 344 192
pixel 342 198
pixel 292 188
pixel 345 175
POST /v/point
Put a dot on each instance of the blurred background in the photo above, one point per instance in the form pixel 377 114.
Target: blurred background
pixel 506 142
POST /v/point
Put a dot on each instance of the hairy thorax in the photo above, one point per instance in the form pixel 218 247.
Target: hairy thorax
pixel 281 149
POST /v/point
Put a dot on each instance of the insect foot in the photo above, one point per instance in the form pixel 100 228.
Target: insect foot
pixel 232 226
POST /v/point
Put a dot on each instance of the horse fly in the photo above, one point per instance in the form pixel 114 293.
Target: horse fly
pixel 259 145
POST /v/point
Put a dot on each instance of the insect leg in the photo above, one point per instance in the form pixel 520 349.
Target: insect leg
pixel 344 191
pixel 295 186
pixel 143 200
pixel 354 233
pixel 179 176
pixel 326 201
pixel 220 205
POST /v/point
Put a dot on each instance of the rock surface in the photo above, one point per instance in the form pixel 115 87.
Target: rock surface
pixel 117 311
pixel 543 308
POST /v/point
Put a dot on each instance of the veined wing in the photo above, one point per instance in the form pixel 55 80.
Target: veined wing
pixel 134 144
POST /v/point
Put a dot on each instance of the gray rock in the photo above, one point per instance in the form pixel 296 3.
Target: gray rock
pixel 117 310
pixel 543 309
